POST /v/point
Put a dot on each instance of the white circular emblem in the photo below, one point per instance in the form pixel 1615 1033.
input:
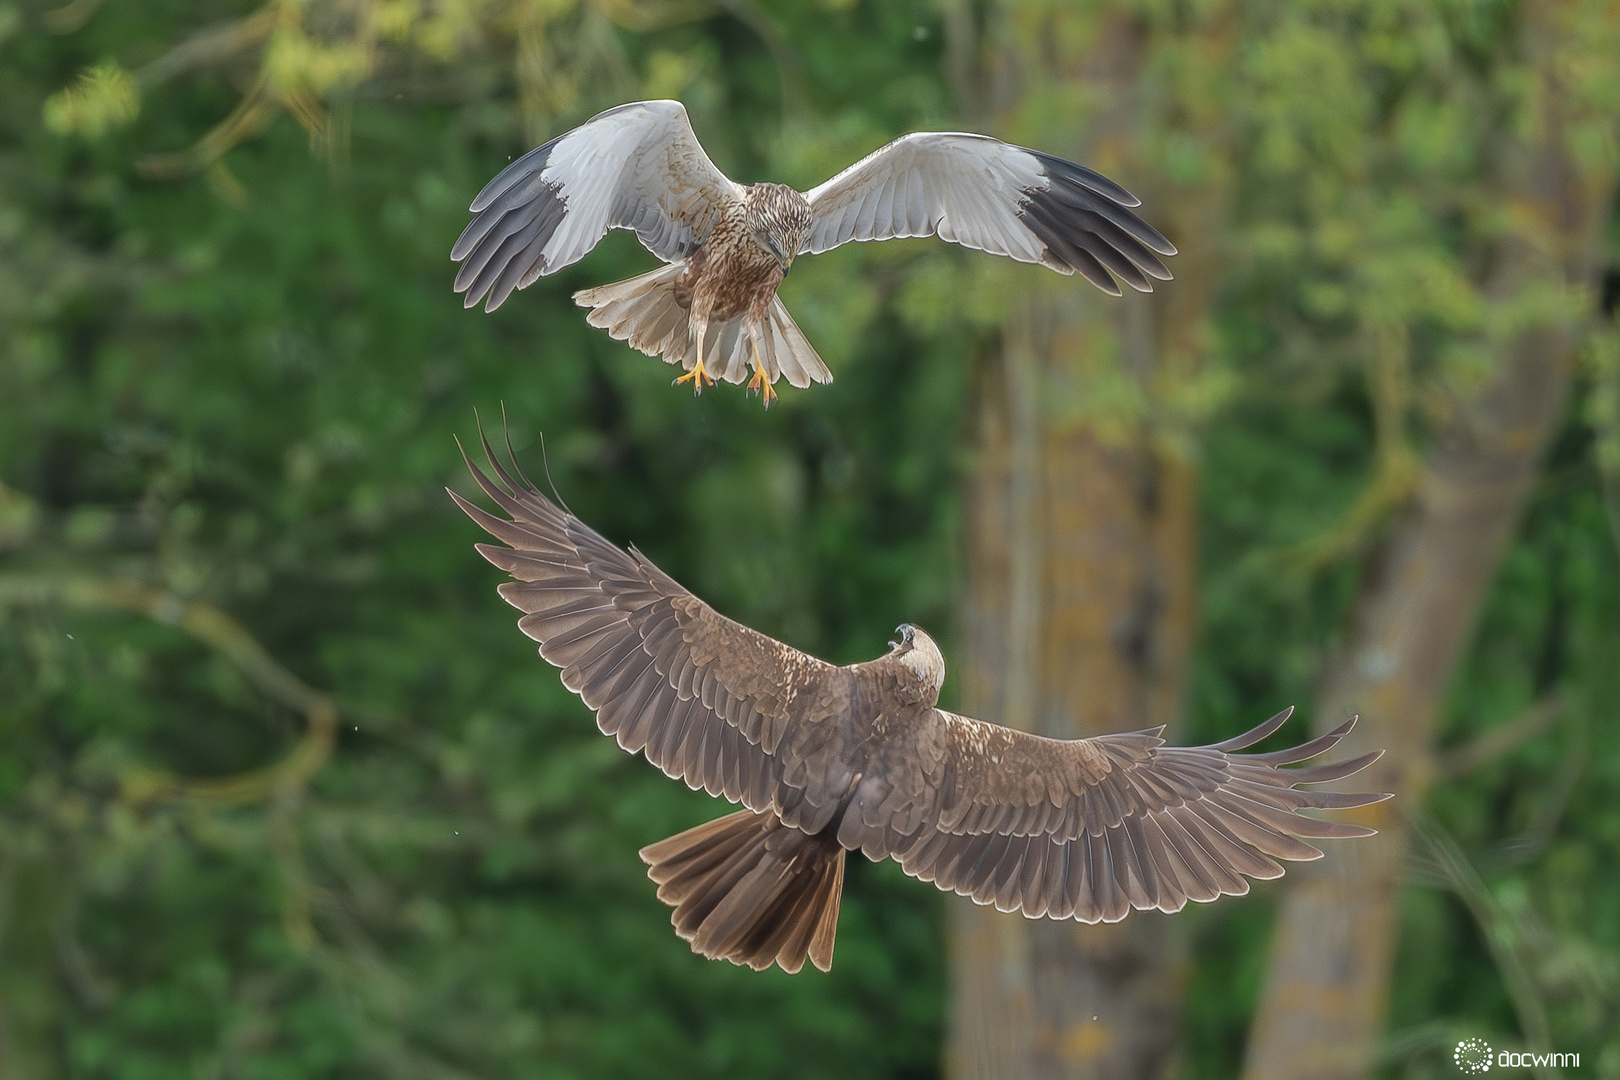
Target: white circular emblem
pixel 1473 1056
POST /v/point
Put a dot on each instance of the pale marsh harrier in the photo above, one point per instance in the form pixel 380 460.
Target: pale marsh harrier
pixel 713 309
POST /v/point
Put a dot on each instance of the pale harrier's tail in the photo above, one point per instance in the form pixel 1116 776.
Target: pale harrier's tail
pixel 654 317
pixel 748 889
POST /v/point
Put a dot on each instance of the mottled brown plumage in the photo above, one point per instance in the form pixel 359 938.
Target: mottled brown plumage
pixel 713 310
pixel 737 271
pixel 831 759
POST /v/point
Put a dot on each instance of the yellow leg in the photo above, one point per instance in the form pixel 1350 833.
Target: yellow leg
pixel 759 382
pixel 697 377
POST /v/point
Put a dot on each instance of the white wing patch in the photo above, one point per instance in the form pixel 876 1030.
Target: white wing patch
pixel 931 182
pixel 991 196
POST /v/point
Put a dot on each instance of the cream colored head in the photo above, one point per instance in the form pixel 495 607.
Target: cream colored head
pixel 917 651
pixel 779 219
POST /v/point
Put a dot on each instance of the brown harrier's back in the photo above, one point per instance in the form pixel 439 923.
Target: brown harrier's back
pixel 832 759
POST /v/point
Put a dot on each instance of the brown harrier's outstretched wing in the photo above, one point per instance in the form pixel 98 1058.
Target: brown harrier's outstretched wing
pixel 1090 828
pixel 638 166
pixel 986 194
pixel 707 700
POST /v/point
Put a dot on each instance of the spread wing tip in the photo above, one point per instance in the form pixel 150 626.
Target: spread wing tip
pixel 1321 774
pixel 1083 233
pixel 525 504
pixel 1255 734
pixel 487 521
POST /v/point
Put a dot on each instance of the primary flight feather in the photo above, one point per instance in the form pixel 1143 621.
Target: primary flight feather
pixel 713 308
pixel 829 759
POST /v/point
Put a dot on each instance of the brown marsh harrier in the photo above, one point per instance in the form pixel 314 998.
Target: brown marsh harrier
pixel 859 758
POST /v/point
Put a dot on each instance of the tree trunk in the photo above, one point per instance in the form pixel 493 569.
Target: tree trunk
pixel 1078 620
pixel 1082 562
pixel 1322 1010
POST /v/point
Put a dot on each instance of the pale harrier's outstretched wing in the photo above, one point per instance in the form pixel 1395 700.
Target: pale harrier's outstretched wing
pixel 986 194
pixel 638 166
pixel 1090 828
pixel 708 700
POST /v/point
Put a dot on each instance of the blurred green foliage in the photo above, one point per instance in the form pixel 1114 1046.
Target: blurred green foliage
pixel 232 373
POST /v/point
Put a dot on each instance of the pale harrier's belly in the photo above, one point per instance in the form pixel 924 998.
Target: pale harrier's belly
pixel 729 275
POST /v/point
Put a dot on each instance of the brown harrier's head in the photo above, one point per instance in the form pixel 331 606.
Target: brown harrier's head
pixel 779 219
pixel 922 660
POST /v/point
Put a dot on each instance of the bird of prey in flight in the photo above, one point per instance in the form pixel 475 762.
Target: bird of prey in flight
pixel 713 308
pixel 830 759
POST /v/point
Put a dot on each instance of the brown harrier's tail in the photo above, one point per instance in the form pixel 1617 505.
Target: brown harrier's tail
pixel 652 314
pixel 748 889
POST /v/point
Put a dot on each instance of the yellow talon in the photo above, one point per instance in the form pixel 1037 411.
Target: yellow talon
pixel 762 385
pixel 759 382
pixel 697 377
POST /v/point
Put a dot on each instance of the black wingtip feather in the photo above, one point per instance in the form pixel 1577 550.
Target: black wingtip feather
pixel 1056 166
pixel 533 161
pixel 1067 246
pixel 1075 198
pixel 1127 244
pixel 503 248
pixel 1084 233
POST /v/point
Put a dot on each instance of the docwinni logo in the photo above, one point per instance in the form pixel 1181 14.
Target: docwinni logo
pixel 1473 1057
pixel 1507 1060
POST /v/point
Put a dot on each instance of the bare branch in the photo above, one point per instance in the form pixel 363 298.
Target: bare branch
pixel 70 16
pixel 1556 796
pixel 251 115
pixel 232 641
pixel 211 46
pixel 1499 741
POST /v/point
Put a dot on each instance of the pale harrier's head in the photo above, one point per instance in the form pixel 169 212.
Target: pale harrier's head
pixel 779 220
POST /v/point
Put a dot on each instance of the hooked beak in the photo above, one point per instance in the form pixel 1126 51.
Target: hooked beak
pixel 781 260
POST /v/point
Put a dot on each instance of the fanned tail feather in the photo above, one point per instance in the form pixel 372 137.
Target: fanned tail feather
pixel 748 889
pixel 789 351
pixel 645 312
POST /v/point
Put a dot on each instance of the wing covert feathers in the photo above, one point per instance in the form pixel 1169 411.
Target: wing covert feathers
pixel 1090 829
